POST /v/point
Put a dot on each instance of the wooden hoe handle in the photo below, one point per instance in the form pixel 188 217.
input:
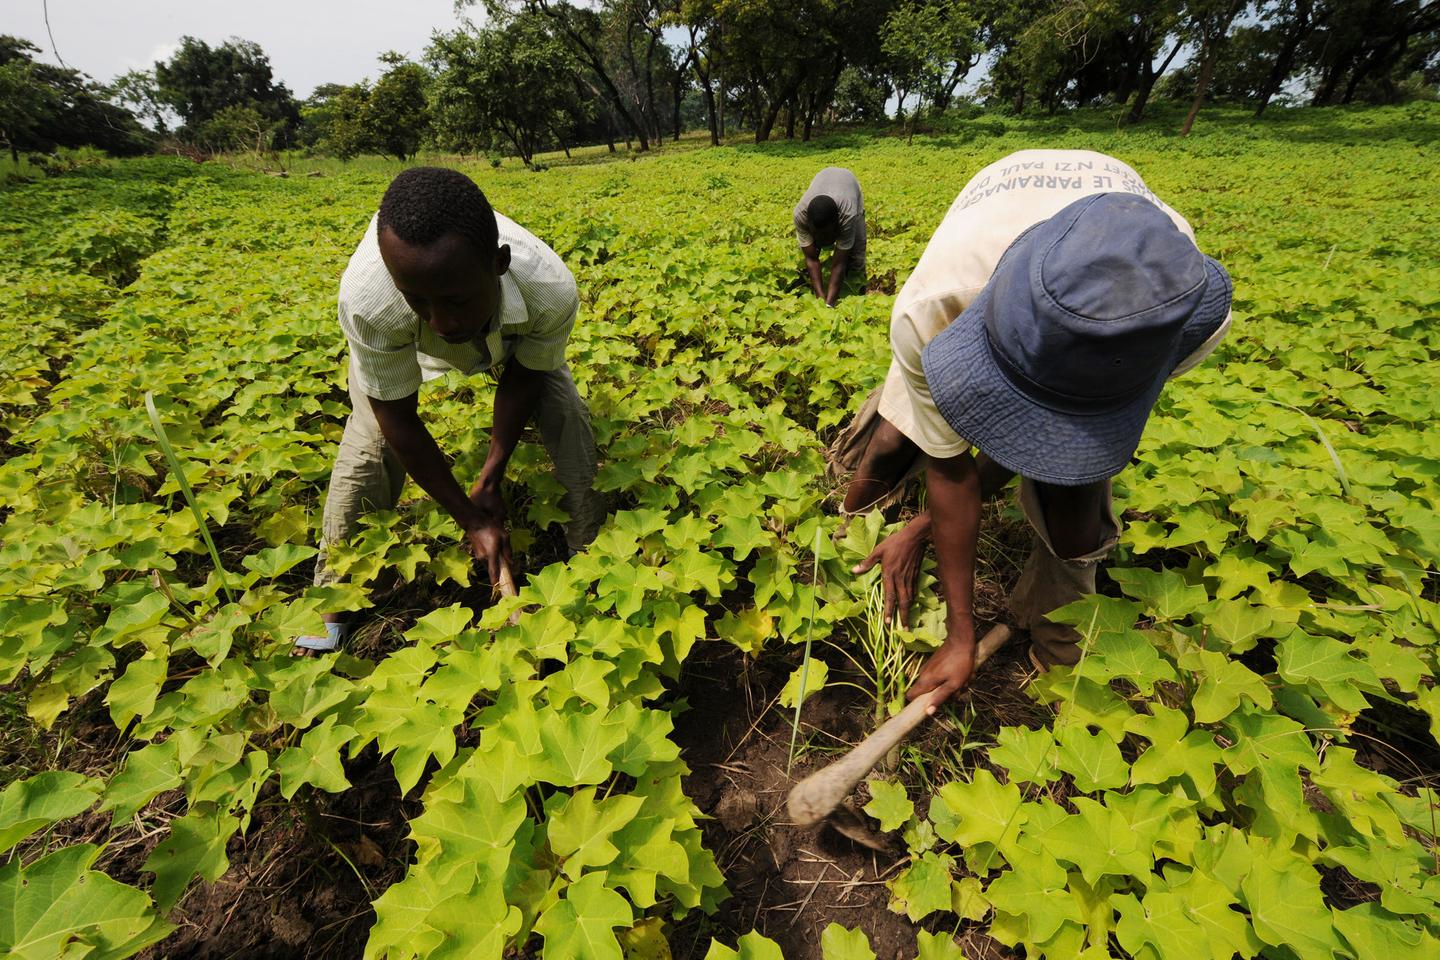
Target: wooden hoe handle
pixel 506 588
pixel 812 799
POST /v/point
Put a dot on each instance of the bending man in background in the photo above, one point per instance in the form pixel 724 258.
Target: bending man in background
pixel 441 282
pixel 832 213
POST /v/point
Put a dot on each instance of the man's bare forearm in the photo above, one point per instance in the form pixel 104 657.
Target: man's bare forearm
pixel 422 458
pixel 954 485
pixel 516 397
pixel 838 265
pixel 812 267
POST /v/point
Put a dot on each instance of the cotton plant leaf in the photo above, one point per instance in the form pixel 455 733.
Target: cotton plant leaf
pixel 56 905
pixel 750 946
pixel 34 803
pixel 937 946
pixel 889 803
pixel 195 848
pixel 583 923
pixel 842 943
pixel 818 673
pixel 923 887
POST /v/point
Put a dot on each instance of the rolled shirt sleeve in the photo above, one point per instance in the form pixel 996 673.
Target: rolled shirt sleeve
pixel 802 228
pixel 905 399
pixel 542 347
pixel 383 366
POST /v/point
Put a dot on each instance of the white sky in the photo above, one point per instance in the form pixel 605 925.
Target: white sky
pixel 309 42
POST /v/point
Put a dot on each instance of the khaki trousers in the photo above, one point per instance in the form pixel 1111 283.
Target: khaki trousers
pixel 1047 582
pixel 368 476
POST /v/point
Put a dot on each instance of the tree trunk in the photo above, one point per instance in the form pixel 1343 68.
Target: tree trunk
pixel 766 123
pixel 679 100
pixel 594 61
pixel 1147 84
pixel 1285 61
pixel 712 117
pixel 809 119
pixel 1331 79
pixel 790 120
pixel 1207 69
pixel 650 88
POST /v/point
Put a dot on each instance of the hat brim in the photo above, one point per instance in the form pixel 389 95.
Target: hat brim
pixel 982 405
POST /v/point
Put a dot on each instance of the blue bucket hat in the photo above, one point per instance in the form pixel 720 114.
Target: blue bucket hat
pixel 1053 368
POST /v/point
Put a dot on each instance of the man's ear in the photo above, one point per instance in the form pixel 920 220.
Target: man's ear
pixel 502 259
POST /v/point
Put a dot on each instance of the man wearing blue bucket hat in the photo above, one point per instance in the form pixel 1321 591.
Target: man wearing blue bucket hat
pixel 1034 336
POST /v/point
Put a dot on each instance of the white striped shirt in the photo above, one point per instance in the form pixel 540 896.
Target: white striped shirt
pixel 392 351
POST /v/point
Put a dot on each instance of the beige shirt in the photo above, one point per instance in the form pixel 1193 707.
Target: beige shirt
pixel 392 352
pixel 994 208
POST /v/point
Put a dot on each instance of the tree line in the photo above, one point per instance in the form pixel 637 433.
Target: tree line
pixel 536 75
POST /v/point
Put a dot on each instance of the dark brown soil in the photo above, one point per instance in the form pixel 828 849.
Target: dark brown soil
pixel 791 882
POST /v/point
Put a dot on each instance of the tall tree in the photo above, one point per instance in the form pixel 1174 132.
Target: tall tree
pixel 930 47
pixel 200 81
pixel 504 81
pixel 1293 21
pixel 396 115
pixel 1210 22
pixel 583 30
pixel 1365 41
pixel 43 107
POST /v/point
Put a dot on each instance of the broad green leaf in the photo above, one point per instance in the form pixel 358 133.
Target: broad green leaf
pixel 967 899
pixel 840 943
pixel 980 811
pixel 195 847
pixel 1027 755
pixel 1165 592
pixel 645 941
pixel 34 803
pixel 1223 684
pixel 276 560
pixel 580 828
pixel 315 759
pixel 889 804
pixel 923 887
pixel 751 946
pixel 1031 901
pixel 1092 759
pixel 1371 931
pixel 1238 571
pixel 1097 842
pixel 467 827
pixel 1282 893
pixel 583 923
pixel 440 626
pixel 742 535
pixel 574 747
pixel 748 630
pixel 133 694
pixel 57 903
pixel 147 773
pixel 131 618
pixel 937 946
pixel 814 676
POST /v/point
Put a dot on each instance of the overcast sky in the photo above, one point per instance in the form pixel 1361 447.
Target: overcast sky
pixel 309 42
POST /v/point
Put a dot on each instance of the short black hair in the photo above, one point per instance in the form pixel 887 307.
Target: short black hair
pixel 423 204
pixel 823 212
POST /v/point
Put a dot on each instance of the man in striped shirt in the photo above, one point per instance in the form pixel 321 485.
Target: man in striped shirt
pixel 441 282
